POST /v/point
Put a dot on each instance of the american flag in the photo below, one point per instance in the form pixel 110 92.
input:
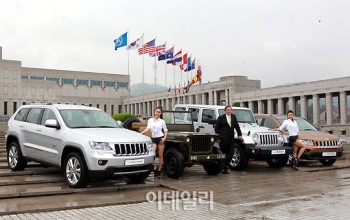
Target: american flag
pixel 160 50
pixel 148 47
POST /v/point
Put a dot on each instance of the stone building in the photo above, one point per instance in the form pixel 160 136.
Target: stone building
pixel 22 85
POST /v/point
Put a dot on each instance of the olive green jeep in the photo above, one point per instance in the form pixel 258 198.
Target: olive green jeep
pixel 184 147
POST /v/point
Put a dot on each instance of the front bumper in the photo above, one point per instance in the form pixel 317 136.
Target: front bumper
pixel 268 152
pixel 102 164
pixel 322 153
pixel 207 157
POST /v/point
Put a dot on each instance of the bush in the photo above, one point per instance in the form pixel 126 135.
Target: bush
pixel 122 116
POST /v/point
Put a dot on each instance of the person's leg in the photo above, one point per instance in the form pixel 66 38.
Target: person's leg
pixel 229 155
pixel 302 147
pixel 295 162
pixel 161 157
pixel 223 149
pixel 155 165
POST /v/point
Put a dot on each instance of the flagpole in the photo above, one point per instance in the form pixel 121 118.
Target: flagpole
pixel 155 80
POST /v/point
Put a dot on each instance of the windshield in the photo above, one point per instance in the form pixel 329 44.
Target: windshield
pixel 302 124
pixel 244 116
pixel 82 118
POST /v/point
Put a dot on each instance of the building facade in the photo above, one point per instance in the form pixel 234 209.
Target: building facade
pixel 325 103
pixel 21 85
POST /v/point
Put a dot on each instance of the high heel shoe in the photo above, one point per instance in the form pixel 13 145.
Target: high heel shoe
pixel 155 173
pixel 295 164
pixel 159 173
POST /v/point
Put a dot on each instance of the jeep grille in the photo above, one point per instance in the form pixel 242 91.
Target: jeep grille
pixel 268 139
pixel 201 144
pixel 326 143
pixel 131 149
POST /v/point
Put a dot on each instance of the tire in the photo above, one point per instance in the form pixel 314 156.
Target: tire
pixel 138 177
pixel 239 160
pixel 174 163
pixel 15 159
pixel 75 171
pixel 128 123
pixel 278 163
pixel 328 162
pixel 212 168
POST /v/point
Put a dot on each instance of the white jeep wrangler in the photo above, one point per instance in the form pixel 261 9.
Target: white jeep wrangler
pixel 259 142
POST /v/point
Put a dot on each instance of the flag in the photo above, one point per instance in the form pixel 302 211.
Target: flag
pixel 199 74
pixel 189 65
pixel 121 41
pixel 193 66
pixel 160 50
pixel 168 54
pixel 179 89
pixel 184 58
pixel 169 89
pixel 148 47
pixel 136 44
pixel 176 59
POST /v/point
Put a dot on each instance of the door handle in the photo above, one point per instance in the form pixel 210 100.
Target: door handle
pixel 39 129
pixel 201 126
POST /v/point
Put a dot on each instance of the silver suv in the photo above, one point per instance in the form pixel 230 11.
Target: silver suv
pixel 84 141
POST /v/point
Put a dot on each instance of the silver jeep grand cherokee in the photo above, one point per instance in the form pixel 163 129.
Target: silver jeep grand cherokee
pixel 84 141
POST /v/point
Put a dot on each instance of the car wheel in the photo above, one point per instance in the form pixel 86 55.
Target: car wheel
pixel 277 163
pixel 138 177
pixel 239 160
pixel 328 162
pixel 15 160
pixel 212 168
pixel 75 171
pixel 174 163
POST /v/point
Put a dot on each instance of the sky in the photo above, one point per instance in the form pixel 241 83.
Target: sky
pixel 276 41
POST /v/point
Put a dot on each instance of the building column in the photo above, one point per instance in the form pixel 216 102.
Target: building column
pixel 190 99
pixel 227 97
pixel 303 106
pixel 291 104
pixel 260 106
pixel 173 102
pixel 279 106
pixel 316 109
pixel 329 109
pixel 214 98
pixel 251 105
pixel 144 109
pixel 204 102
pixel 269 106
pixel 210 96
pixel 343 106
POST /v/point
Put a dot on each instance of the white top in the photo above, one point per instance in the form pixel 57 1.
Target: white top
pixel 156 127
pixel 291 126
pixel 228 117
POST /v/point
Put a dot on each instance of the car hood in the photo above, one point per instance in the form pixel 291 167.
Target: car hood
pixel 110 135
pixel 317 136
pixel 252 127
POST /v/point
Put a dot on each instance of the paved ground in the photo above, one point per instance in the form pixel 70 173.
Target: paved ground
pixel 315 192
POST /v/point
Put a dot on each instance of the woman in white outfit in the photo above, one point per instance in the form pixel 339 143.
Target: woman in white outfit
pixel 298 147
pixel 157 126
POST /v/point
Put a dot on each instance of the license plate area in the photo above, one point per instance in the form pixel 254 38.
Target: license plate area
pixel 276 152
pixel 329 154
pixel 134 162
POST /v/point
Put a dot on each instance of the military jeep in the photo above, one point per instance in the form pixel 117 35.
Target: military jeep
pixel 184 147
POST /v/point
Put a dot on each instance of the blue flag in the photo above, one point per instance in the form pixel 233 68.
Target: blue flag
pixel 121 41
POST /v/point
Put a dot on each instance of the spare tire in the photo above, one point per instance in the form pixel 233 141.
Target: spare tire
pixel 128 123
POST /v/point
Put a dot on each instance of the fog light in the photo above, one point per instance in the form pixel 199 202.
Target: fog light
pixel 102 162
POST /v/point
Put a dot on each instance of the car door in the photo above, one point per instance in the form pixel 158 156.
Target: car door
pixel 49 139
pixel 207 115
pixel 30 134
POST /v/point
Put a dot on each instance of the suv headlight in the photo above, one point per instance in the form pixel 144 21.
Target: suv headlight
pixel 255 137
pixel 307 142
pixel 100 145
pixel 150 147
pixel 280 138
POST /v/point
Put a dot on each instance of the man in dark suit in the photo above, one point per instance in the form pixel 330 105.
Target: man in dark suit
pixel 225 125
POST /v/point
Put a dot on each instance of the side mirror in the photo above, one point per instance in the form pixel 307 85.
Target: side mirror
pixel 52 123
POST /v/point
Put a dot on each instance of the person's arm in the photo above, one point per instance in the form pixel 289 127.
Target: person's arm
pixel 144 131
pixel 165 129
pixel 218 125
pixel 236 126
